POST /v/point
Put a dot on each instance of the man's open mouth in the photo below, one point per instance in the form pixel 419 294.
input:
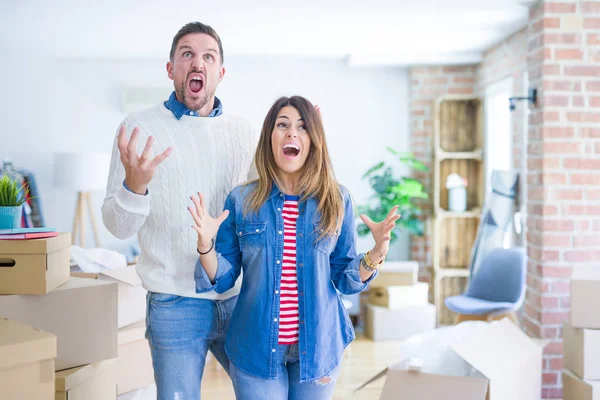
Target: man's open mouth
pixel 196 84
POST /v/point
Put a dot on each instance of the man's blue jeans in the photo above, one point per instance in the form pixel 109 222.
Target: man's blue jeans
pixel 181 330
pixel 287 386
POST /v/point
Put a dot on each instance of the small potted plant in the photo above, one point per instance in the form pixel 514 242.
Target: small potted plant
pixel 13 194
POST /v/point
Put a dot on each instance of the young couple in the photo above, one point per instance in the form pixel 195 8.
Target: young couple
pixel 286 223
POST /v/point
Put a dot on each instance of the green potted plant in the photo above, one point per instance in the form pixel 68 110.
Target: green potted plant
pixel 12 196
pixel 390 190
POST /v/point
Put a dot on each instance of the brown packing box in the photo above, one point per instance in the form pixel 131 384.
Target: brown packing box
pixel 132 296
pixel 26 362
pixel 396 273
pixel 35 266
pixel 385 324
pixel 395 297
pixel 82 314
pixel 134 366
pixel 581 351
pixel 577 389
pixel 585 286
pixel 508 365
pixel 96 381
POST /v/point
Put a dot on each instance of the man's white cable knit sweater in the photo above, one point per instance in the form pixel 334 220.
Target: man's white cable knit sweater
pixel 210 156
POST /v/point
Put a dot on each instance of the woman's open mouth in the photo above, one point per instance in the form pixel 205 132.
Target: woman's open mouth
pixel 291 150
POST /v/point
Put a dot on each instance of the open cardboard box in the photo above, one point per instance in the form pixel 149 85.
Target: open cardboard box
pixel 473 361
pixel 131 294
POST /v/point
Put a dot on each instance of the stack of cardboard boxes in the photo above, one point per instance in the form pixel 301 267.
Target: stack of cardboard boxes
pixel 68 322
pixel 398 304
pixel 134 365
pixel 581 336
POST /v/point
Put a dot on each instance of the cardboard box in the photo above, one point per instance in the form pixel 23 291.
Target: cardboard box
pixel 82 313
pixel 96 381
pixel 134 366
pixel 132 296
pixel 503 363
pixel 397 273
pixel 581 350
pixel 35 266
pixel 26 362
pixel 585 286
pixel 395 297
pixel 577 389
pixel 386 324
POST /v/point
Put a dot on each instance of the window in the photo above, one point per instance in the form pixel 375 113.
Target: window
pixel 498 132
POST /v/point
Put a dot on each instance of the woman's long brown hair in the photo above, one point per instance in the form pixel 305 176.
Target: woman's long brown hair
pixel 317 179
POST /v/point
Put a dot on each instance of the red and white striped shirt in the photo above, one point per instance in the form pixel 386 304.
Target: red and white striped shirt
pixel 288 290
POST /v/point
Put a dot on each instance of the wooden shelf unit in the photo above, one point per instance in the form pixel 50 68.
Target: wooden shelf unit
pixel 458 148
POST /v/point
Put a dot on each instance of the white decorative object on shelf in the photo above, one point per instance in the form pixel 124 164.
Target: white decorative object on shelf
pixel 457 193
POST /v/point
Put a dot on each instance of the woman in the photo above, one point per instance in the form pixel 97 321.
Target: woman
pixel 292 232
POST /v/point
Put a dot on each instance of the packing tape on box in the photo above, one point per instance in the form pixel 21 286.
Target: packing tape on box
pixel 414 364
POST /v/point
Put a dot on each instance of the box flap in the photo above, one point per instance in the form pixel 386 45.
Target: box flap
pixel 127 275
pixel 75 283
pixel 69 378
pixel 401 266
pixel 132 333
pixel 377 376
pixel 504 354
pixel 21 344
pixel 585 273
pixel 35 246
pixel 576 388
pixel 421 385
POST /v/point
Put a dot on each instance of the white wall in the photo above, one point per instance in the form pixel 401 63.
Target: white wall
pixel 76 105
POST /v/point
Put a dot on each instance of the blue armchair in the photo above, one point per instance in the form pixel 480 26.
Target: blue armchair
pixel 496 290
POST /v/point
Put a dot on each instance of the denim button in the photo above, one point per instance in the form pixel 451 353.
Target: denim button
pixel 280 232
pixel 273 350
pixel 277 292
pixel 278 209
pixel 275 319
pixel 299 235
pixel 278 262
pixel 303 353
pixel 301 264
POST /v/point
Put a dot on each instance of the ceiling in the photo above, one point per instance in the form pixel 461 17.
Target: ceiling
pixel 374 32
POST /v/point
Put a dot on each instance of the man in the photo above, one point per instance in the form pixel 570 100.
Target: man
pixel 161 157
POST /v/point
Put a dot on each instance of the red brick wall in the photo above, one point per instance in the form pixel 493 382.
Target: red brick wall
pixel 563 158
pixel 426 85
